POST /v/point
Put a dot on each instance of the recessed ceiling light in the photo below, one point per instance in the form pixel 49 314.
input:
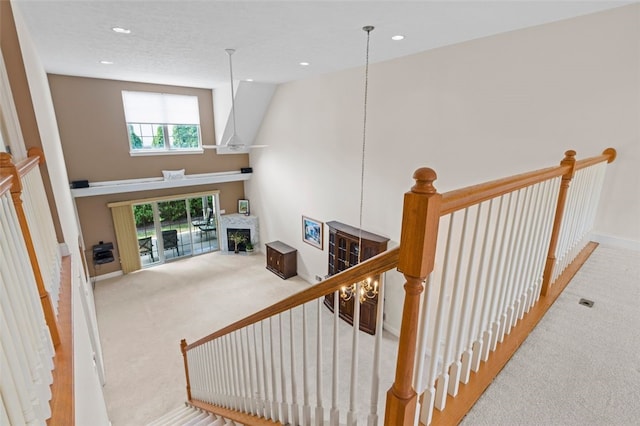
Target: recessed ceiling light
pixel 249 79
pixel 121 30
pixel 106 62
pixel 397 37
pixel 305 64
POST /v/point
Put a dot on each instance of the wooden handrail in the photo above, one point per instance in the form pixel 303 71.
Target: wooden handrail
pixel 26 165
pixel 6 181
pixel 471 195
pixel 373 266
pixel 465 197
pixel 62 389
pixel 609 155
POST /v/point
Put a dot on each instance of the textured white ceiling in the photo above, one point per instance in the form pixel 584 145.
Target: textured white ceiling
pixel 182 42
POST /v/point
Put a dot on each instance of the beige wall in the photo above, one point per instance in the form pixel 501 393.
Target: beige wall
pixel 474 111
pixel 22 100
pixel 94 136
pixel 95 143
pixel 97 225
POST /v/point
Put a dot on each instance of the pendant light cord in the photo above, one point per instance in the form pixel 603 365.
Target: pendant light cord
pixel 368 29
pixel 233 101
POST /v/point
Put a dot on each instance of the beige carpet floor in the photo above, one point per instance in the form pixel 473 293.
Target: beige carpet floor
pixel 143 315
pixel 580 366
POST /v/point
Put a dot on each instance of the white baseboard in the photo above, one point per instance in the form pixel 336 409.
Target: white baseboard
pixel 613 241
pixel 107 276
pixel 390 329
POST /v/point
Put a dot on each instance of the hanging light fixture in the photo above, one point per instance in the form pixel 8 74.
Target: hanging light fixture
pixel 368 288
pixel 233 143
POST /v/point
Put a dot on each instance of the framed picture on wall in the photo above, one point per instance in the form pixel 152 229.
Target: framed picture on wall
pixel 312 232
pixel 243 207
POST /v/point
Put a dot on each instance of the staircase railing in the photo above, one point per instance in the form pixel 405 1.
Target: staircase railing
pixel 26 348
pixel 485 254
pixel 36 224
pixel 502 245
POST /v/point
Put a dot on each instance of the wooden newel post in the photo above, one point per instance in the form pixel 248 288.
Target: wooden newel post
pixel 568 160
pixel 183 349
pixel 420 219
pixel 6 163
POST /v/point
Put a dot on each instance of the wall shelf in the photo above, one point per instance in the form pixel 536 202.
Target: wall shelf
pixel 146 184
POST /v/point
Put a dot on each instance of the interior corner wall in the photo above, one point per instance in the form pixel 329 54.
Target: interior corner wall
pixel 474 111
pixel 90 406
pixel 23 101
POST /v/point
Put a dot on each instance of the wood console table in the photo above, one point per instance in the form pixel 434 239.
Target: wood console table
pixel 281 259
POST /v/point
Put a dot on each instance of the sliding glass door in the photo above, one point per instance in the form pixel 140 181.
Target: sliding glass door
pixel 173 228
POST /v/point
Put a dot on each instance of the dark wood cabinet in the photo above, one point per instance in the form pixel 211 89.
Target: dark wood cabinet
pixel 345 243
pixel 281 259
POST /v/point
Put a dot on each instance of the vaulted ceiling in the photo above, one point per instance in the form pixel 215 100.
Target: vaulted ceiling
pixel 182 42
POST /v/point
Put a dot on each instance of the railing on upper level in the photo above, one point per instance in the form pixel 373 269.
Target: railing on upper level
pixel 486 254
pixel 26 344
pixel 36 224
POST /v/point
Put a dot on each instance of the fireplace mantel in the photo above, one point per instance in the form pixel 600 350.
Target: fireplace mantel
pixel 238 221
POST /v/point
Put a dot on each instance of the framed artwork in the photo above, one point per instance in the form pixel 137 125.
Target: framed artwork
pixel 243 207
pixel 312 232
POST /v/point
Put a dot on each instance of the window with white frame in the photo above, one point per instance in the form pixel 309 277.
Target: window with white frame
pixel 162 122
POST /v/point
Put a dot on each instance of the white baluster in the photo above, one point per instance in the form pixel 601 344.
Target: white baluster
pixel 496 313
pixel 253 393
pixel 372 420
pixel 261 394
pixel 306 408
pixel 274 391
pixel 437 393
pixel 454 325
pixel 295 409
pixel 352 414
pixel 482 302
pixel 319 417
pixel 284 407
pixel 465 342
pixel 508 262
pixel 335 412
pixel 265 375
pixel 426 407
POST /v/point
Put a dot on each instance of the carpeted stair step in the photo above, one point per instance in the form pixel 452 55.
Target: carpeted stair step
pixel 191 416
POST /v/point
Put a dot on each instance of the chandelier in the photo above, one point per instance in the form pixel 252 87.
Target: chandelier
pixel 365 290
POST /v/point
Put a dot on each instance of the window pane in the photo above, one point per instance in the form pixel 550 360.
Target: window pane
pixel 160 121
pixel 184 136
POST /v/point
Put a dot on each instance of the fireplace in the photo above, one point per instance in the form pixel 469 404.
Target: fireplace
pixel 236 222
pixel 246 233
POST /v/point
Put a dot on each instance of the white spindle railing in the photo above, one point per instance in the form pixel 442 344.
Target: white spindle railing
pixel 489 276
pixel 26 350
pixel 37 212
pixel 579 215
pixel 489 269
pixel 258 369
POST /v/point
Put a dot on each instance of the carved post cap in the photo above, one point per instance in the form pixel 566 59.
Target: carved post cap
pixel 611 153
pixel 569 155
pixel 36 152
pixel 424 177
pixel 183 345
pixel 6 160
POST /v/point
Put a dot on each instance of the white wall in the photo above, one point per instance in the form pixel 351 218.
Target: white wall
pixel 90 407
pixel 474 111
